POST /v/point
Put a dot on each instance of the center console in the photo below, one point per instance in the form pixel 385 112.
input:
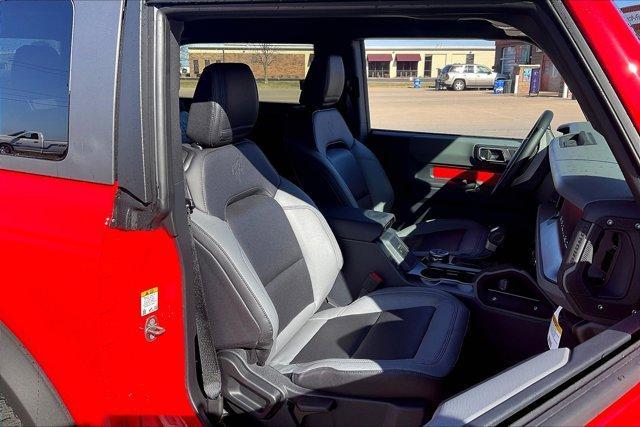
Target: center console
pixel 371 245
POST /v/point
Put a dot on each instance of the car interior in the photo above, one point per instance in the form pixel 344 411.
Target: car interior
pixel 347 283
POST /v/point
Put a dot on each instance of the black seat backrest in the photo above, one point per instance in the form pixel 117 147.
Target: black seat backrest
pixel 331 165
pixel 267 256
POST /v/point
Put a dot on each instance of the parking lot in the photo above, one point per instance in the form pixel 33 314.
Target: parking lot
pixel 470 112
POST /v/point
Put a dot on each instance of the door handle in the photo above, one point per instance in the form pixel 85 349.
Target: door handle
pixel 495 155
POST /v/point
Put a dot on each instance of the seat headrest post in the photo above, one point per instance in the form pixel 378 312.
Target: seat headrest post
pixel 225 105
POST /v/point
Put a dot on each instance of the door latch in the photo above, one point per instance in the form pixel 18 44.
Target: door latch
pixel 151 329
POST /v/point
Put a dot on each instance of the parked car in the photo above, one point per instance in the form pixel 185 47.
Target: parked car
pixel 463 76
pixel 291 265
pixel 27 142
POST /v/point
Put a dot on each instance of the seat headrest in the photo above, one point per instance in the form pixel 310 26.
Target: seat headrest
pixel 225 105
pixel 324 83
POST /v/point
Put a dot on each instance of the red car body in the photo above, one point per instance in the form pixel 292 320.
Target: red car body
pixel 71 284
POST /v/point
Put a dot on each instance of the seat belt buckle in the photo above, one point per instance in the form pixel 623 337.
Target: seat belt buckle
pixel 371 283
pixel 190 205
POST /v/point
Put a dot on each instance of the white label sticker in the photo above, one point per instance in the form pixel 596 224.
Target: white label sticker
pixel 148 301
pixel 555 330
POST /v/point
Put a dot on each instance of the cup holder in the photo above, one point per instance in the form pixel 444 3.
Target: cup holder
pixel 450 272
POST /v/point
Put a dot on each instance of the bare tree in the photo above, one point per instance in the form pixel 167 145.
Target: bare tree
pixel 265 55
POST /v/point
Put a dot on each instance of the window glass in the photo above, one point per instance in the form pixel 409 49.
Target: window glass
pixel 278 68
pixel 428 62
pixel 35 45
pixel 497 97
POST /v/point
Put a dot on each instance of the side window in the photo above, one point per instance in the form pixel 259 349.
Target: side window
pixel 464 87
pixel 35 46
pixel 278 68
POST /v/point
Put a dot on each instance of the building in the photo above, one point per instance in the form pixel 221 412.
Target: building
pixel 291 62
pixel 510 53
pixel 423 61
pixel 632 15
pixel 283 61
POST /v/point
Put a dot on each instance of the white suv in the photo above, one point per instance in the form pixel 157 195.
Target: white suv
pixel 462 76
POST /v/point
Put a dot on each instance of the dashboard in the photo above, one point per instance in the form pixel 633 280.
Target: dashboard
pixel 588 239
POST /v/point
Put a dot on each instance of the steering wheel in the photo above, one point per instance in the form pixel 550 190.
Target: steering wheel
pixel 525 153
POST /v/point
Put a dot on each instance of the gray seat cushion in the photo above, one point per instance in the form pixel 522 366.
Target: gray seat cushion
pixel 393 343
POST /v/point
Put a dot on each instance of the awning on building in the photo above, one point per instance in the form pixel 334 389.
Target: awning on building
pixel 379 57
pixel 408 57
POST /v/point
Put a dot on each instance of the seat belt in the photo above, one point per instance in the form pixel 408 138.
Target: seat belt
pixel 211 378
pixel 370 284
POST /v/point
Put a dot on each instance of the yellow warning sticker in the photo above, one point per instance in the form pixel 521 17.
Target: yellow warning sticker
pixel 148 301
pixel 555 330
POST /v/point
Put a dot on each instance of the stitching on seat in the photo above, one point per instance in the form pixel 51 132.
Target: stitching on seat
pixel 244 282
pixel 233 287
pixel 449 332
pixel 363 372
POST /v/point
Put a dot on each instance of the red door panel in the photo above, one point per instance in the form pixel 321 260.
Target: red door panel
pixel 454 175
pixel 71 294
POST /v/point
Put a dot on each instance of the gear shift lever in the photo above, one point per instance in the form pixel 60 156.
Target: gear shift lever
pixel 495 238
pixel 439 255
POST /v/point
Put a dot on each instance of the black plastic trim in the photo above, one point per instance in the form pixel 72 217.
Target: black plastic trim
pixel 175 219
pixel 26 387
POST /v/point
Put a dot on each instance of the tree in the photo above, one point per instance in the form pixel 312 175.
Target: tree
pixel 265 55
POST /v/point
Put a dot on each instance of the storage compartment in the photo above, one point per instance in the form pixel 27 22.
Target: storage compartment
pixel 450 272
pixel 512 290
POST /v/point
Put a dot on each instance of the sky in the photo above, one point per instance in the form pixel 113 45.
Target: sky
pixel 623 3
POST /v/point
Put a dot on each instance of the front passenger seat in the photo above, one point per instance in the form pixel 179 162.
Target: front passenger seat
pixel 338 170
pixel 268 260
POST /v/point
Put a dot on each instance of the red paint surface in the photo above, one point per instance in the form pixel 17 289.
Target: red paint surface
pixel 617 49
pixel 615 46
pixel 71 285
pixel 71 294
pixel 623 412
pixel 458 174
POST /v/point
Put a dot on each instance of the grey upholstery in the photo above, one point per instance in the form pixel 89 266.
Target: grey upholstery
pixel 324 83
pixel 338 170
pixel 225 106
pixel 408 337
pixel 269 260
